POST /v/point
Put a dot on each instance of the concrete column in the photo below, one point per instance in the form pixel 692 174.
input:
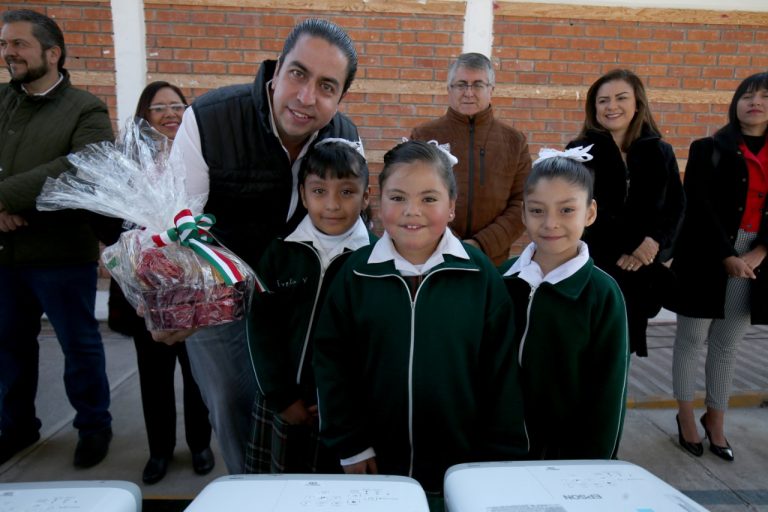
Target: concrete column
pixel 478 27
pixel 130 55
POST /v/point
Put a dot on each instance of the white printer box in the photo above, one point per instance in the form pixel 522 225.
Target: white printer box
pixel 310 493
pixel 560 486
pixel 71 496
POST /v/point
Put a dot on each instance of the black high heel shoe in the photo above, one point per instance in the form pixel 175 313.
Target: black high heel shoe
pixel 724 452
pixel 696 449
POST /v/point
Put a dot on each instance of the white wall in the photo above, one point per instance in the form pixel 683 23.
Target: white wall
pixel 478 27
pixel 130 55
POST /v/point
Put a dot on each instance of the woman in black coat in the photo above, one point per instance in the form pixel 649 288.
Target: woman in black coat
pixel 161 105
pixel 639 195
pixel 720 260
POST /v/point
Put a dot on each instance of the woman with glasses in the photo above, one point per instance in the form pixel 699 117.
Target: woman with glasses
pixel 638 192
pixel 161 105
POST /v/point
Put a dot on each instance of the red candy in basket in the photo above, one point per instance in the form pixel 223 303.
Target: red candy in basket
pixel 179 278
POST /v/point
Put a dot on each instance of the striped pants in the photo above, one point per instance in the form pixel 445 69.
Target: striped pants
pixel 722 336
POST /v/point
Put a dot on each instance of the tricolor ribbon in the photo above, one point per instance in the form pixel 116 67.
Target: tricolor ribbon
pixel 192 231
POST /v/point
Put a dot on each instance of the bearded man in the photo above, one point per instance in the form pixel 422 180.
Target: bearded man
pixel 47 259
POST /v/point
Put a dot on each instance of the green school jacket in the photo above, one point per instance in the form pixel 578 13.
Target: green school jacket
pixel 427 382
pixel 574 360
pixel 281 320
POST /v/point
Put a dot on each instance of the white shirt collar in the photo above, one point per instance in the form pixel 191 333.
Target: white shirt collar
pixel 330 246
pixel 384 250
pixel 293 205
pixel 61 77
pixel 530 271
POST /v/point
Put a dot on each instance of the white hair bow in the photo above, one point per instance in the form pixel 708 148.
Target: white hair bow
pixel 445 148
pixel 356 145
pixel 580 154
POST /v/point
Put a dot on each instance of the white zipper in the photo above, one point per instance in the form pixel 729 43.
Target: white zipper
pixel 412 344
pixel 527 324
pixel 314 306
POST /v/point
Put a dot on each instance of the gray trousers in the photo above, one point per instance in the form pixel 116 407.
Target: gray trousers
pixel 222 369
pixel 722 336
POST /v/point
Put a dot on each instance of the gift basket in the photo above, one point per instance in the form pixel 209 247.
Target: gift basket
pixel 168 265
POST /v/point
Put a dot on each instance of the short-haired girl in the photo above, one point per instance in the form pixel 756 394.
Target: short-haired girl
pixel 571 319
pixel 296 270
pixel 414 350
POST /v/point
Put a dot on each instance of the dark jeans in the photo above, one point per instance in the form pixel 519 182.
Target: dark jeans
pixel 67 295
pixel 157 365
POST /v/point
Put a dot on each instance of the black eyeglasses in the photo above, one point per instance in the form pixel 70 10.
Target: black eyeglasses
pixel 477 87
pixel 176 108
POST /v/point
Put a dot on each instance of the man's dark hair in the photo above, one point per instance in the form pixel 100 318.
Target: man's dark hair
pixel 45 30
pixel 334 34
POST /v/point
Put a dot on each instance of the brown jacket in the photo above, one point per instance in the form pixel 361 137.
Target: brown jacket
pixel 493 164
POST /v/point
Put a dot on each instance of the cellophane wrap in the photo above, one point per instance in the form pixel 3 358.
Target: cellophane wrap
pixel 169 266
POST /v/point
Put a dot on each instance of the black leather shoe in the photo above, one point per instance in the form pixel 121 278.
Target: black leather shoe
pixel 203 461
pixel 92 448
pixel 724 452
pixel 696 449
pixel 11 445
pixel 155 469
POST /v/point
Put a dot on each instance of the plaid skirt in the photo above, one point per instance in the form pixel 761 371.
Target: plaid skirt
pixel 277 447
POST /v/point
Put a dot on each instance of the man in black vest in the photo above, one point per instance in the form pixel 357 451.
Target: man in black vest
pixel 242 146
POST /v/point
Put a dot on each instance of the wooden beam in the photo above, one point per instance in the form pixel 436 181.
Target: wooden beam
pixel 446 7
pixel 410 87
pixel 78 78
pixel 517 9
pixel 429 88
pixel 97 2
pixel 511 8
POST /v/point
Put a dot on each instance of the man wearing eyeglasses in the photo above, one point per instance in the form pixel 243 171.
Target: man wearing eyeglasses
pixel 493 159
pixel 47 259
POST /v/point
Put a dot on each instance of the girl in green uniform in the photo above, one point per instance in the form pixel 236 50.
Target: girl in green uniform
pixel 414 351
pixel 572 325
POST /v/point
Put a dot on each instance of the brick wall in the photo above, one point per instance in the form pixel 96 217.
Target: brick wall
pixel 546 56
pixel 544 64
pixel 690 70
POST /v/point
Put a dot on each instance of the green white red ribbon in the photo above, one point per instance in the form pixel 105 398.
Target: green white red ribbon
pixel 192 231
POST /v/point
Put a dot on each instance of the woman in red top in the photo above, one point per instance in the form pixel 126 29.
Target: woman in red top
pixel 720 260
